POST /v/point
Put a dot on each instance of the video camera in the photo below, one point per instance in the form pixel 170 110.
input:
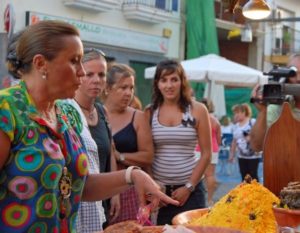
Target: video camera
pixel 277 90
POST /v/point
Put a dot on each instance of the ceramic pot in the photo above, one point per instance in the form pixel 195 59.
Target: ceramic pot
pixel 287 218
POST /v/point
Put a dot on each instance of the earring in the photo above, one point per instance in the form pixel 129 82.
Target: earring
pixel 44 76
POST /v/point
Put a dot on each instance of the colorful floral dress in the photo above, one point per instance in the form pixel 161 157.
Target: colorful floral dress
pixel 29 180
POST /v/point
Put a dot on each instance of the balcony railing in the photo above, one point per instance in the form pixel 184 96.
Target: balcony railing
pixel 284 50
pixel 280 55
pixel 145 11
pixel 92 5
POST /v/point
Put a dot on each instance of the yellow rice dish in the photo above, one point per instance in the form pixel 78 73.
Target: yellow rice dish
pixel 247 207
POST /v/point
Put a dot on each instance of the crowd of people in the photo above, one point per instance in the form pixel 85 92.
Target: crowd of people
pixel 80 153
pixel 44 163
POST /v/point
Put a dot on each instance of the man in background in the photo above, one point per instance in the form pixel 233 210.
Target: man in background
pixel 268 114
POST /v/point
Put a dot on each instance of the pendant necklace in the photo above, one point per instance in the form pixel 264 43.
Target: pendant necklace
pixel 49 117
pixel 90 112
pixel 65 190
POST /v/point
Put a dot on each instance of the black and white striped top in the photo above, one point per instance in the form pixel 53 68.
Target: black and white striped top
pixel 174 158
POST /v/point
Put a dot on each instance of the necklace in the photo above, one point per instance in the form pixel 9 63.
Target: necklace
pixel 65 190
pixel 90 112
pixel 49 116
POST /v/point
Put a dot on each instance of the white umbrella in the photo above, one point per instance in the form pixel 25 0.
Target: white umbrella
pixel 218 70
pixel 191 68
pixel 221 70
pixel 215 93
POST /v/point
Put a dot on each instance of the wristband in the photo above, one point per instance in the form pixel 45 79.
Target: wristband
pixel 128 174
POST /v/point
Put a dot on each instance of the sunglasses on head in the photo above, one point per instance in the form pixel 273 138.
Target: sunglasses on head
pixel 94 50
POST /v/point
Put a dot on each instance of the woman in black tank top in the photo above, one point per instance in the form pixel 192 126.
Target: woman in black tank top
pixel 131 133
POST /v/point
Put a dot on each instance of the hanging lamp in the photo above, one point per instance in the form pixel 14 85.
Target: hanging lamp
pixel 256 9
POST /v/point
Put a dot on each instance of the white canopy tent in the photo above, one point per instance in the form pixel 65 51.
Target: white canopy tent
pixel 218 71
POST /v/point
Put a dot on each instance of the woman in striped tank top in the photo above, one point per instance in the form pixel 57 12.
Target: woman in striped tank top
pixel 178 123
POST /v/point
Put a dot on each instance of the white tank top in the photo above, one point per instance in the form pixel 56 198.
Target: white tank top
pixel 174 158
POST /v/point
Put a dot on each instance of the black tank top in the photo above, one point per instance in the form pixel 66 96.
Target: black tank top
pixel 102 135
pixel 126 139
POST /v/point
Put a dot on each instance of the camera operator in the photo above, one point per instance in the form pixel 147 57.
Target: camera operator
pixel 268 114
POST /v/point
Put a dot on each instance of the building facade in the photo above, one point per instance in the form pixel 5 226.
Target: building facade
pixel 273 39
pixel 139 33
pixel 282 32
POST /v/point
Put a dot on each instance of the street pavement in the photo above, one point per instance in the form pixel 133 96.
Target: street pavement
pixel 228 176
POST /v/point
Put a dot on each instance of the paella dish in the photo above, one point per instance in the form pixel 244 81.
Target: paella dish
pixel 248 208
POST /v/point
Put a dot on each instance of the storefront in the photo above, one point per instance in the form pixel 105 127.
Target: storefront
pixel 139 50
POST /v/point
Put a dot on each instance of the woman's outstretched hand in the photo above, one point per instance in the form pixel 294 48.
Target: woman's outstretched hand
pixel 146 186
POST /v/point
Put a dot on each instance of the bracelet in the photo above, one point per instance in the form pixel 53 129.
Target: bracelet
pixel 128 174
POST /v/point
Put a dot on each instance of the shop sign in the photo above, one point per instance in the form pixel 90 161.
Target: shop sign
pixel 97 33
pixel 9 19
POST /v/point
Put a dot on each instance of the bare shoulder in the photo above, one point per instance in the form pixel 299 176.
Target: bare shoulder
pixel 148 111
pixel 139 115
pixel 213 119
pixel 200 113
pixel 140 120
pixel 198 108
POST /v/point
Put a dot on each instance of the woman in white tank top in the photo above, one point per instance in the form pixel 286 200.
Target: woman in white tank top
pixel 178 123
